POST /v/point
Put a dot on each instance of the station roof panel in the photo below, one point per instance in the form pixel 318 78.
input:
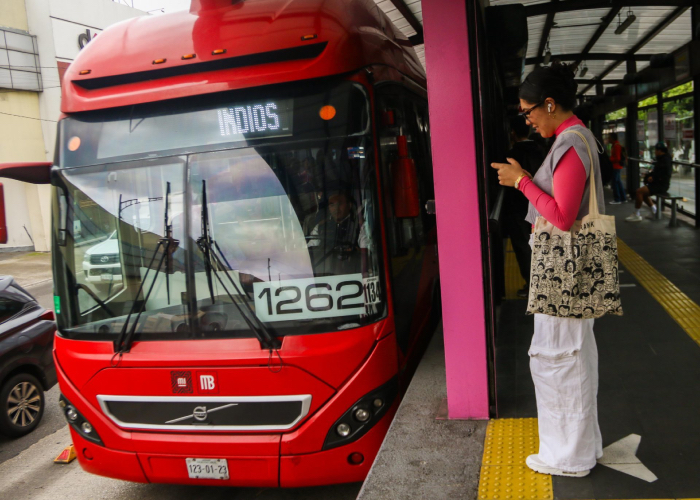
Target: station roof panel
pixel 572 30
pixel 677 34
pixel 403 24
pixel 647 19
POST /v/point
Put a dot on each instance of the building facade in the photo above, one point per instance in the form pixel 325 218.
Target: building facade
pixel 38 40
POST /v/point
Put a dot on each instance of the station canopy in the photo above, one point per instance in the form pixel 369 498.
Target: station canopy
pixel 585 31
pixel 582 31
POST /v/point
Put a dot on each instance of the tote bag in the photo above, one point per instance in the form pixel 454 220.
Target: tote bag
pixel 574 273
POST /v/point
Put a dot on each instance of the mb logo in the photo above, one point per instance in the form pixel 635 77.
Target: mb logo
pixel 208 382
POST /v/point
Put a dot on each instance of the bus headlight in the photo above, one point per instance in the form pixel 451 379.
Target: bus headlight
pixel 361 416
pixel 343 430
pixel 78 422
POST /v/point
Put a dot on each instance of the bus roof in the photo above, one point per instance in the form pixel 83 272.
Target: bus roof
pixel 222 45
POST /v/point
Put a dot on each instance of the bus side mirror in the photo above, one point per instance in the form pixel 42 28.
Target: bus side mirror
pixel 34 172
pixel 405 178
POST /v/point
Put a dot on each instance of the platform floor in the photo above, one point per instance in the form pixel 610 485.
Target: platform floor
pixel 649 386
pixel 649 365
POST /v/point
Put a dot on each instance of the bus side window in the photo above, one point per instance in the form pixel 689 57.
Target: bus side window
pixel 403 234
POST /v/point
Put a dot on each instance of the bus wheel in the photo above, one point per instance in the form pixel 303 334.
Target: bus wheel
pixel 22 404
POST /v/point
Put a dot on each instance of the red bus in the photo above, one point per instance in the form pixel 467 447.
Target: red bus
pixel 245 273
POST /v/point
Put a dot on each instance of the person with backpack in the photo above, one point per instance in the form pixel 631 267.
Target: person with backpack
pixel 618 159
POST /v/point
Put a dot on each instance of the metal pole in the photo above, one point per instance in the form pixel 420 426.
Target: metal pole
pixel 695 21
pixel 631 143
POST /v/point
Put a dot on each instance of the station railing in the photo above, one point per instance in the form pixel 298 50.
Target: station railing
pixel 685 185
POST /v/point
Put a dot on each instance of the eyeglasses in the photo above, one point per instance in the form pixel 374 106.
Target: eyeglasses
pixel 526 112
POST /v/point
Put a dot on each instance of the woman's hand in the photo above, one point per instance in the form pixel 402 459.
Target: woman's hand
pixel 509 172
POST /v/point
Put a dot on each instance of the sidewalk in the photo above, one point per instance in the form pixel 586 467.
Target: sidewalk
pixel 28 268
pixel 422 457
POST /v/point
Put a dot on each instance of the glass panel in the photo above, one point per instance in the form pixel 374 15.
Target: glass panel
pixel 16 41
pixel 4 59
pixel 22 61
pixel 649 101
pixel 21 80
pixel 293 236
pixel 679 135
pixel 681 89
pixel 116 219
pixel 219 121
pixel 9 308
pixel 5 78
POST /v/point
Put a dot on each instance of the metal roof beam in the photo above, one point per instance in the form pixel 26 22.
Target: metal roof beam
pixel 547 29
pixel 410 17
pixel 641 43
pixel 541 9
pixel 595 56
pixel 606 82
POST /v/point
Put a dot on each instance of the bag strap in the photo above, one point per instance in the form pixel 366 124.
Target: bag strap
pixel 592 198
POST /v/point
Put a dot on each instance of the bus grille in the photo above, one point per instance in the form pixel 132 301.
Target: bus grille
pixel 206 413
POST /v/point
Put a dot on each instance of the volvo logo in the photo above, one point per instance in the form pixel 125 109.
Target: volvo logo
pixel 200 413
pixel 104 258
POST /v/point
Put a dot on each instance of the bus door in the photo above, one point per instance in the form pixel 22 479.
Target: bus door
pixel 412 241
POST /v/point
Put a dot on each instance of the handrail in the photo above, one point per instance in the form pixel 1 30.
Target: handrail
pixel 684 163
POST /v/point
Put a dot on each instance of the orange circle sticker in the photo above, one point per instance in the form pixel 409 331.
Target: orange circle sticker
pixel 74 143
pixel 327 112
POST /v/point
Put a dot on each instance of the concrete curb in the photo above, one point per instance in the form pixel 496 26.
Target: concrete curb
pixel 422 457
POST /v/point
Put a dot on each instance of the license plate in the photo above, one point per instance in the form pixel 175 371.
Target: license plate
pixel 107 277
pixel 207 468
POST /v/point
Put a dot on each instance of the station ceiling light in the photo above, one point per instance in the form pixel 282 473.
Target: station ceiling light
pixel 584 70
pixel 622 26
pixel 547 54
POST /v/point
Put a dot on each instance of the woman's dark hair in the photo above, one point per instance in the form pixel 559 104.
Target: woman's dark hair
pixel 555 81
pixel 613 136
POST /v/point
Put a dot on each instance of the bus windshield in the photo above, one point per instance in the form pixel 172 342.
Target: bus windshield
pixel 275 229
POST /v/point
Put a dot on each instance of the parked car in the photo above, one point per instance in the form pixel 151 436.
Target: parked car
pixel 101 262
pixel 26 358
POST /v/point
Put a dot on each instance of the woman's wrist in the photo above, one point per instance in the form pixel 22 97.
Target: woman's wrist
pixel 518 182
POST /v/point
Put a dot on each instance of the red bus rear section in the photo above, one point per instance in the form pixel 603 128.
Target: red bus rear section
pixel 243 292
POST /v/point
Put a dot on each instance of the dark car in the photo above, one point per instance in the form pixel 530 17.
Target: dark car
pixel 26 358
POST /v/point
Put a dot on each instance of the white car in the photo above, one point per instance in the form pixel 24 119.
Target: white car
pixel 101 262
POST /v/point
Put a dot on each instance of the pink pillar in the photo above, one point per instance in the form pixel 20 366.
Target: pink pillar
pixel 457 205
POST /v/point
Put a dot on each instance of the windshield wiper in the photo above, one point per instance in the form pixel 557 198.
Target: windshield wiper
pixel 212 264
pixel 168 245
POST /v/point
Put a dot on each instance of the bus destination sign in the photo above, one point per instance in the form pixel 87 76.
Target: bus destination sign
pixel 256 120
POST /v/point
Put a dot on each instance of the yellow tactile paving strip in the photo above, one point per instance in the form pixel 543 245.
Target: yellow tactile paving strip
pixel 678 305
pixel 504 475
pixel 514 281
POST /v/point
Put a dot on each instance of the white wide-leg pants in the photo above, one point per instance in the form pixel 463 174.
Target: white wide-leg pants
pixel 564 367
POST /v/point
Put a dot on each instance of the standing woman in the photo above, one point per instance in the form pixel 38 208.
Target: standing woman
pixel 563 352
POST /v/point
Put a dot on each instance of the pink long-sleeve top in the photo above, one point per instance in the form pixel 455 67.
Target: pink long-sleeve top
pixel 569 183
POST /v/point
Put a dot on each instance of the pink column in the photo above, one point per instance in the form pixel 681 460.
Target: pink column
pixel 457 205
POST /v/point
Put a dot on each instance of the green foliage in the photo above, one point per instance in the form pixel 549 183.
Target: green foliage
pixel 680 90
pixel 649 101
pixel 616 115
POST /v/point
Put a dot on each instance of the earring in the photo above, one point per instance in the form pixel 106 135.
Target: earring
pixel 549 108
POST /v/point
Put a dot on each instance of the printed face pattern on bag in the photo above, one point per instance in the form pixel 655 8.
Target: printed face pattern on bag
pixel 575 275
